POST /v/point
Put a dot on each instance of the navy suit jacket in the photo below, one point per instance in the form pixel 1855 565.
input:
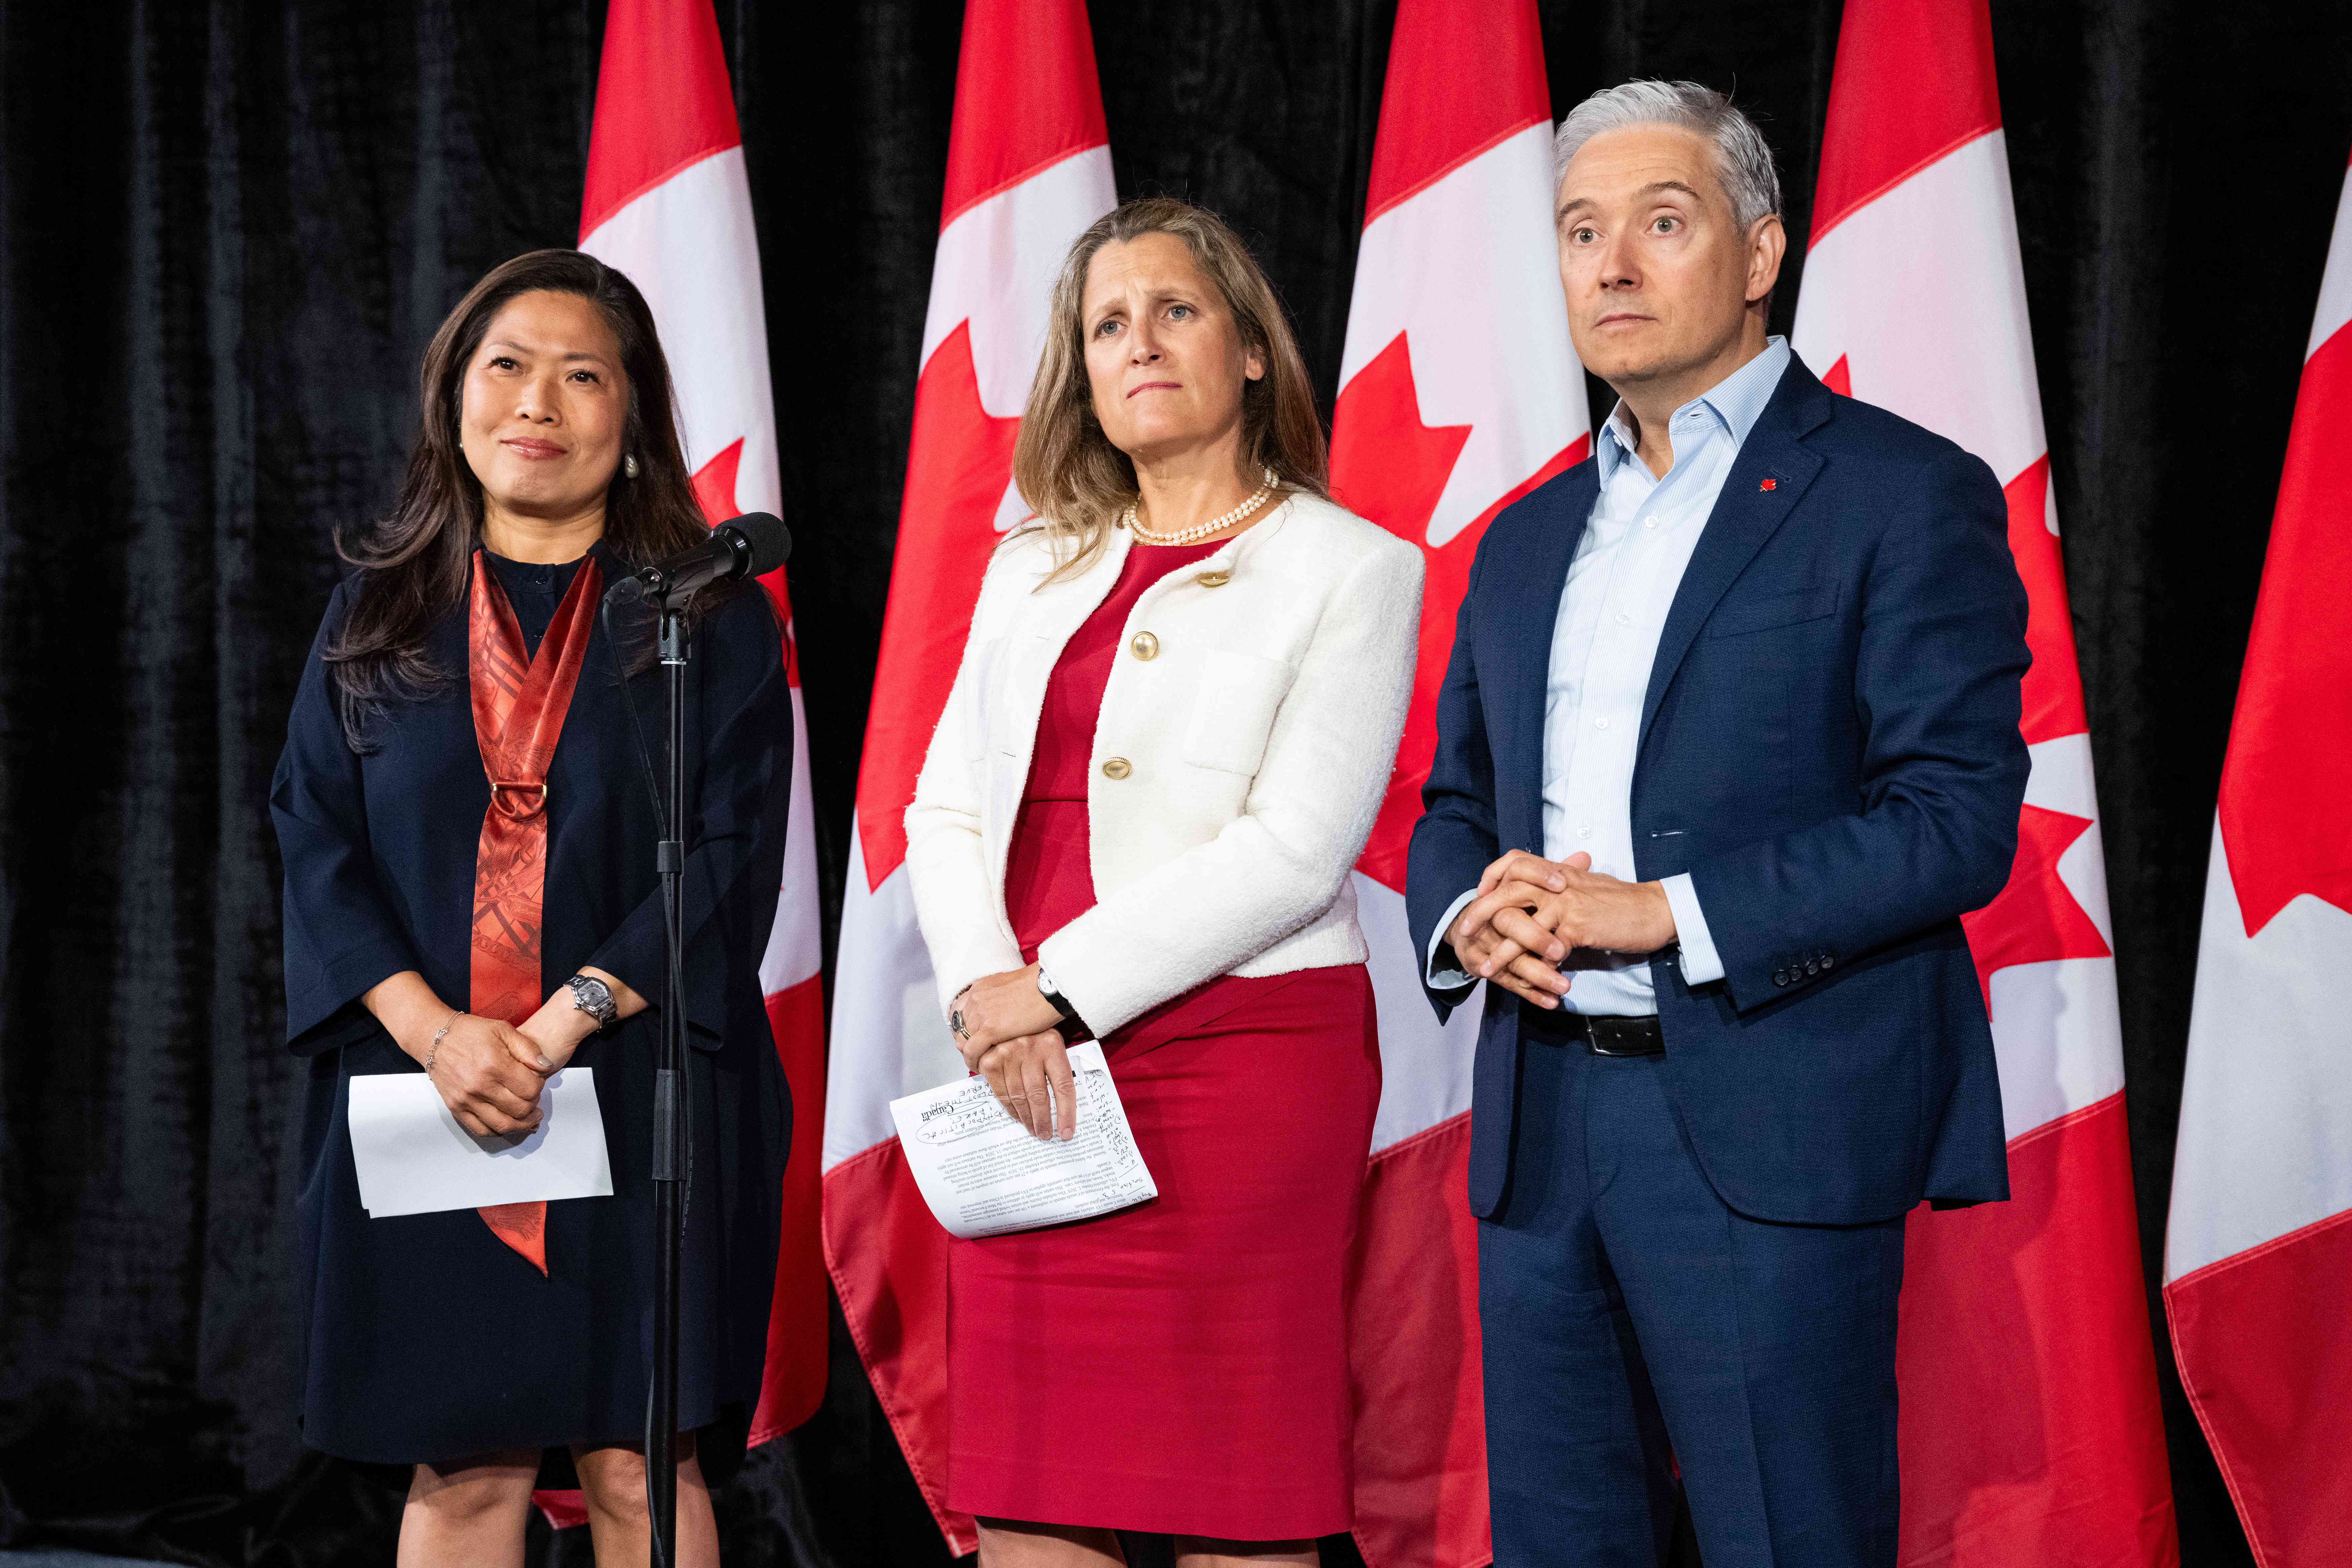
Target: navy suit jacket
pixel 1829 748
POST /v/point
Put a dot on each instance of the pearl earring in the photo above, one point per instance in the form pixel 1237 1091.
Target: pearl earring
pixel 629 465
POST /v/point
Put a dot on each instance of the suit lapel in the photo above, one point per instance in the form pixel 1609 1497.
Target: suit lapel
pixel 1771 474
pixel 1525 610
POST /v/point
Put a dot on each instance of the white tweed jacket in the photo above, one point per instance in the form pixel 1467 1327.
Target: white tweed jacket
pixel 1245 741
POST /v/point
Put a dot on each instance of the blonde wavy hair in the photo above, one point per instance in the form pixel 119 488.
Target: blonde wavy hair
pixel 1068 471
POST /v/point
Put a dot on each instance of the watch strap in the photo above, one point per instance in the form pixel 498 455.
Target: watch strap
pixel 1073 1027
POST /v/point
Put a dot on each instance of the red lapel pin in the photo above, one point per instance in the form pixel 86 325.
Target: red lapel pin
pixel 1768 484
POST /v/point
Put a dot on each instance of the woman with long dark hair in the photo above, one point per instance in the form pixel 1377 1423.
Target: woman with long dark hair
pixel 468 831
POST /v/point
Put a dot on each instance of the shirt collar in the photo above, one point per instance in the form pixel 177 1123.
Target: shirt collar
pixel 1736 401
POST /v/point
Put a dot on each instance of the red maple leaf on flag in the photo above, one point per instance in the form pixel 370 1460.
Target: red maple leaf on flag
pixel 958 460
pixel 714 483
pixel 714 489
pixel 2053 687
pixel 2035 917
pixel 1390 468
pixel 2287 784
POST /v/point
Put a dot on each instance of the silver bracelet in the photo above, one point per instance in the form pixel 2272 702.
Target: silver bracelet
pixel 435 1048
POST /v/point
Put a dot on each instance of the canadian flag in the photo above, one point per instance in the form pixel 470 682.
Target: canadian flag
pixel 1028 169
pixel 2257 1255
pixel 2030 1430
pixel 667 202
pixel 1458 394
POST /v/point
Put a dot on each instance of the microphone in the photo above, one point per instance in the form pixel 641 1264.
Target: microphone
pixel 747 546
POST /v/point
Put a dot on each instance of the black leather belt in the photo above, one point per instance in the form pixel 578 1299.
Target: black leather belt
pixel 1602 1035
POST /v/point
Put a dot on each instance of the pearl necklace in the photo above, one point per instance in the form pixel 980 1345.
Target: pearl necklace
pixel 1199 530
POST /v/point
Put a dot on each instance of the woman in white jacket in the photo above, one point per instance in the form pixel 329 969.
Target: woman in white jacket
pixel 1175 718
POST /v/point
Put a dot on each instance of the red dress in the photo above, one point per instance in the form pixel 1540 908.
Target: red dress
pixel 1180 1366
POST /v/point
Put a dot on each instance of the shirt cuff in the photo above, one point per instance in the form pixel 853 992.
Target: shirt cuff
pixel 1701 966
pixel 1451 977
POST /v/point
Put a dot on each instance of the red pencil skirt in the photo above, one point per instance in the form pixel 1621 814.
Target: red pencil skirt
pixel 1182 1366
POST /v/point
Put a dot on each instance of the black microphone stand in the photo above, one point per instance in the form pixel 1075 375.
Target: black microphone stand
pixel 669 1107
pixel 746 546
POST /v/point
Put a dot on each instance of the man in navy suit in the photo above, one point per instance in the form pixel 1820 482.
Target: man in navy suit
pixel 1727 744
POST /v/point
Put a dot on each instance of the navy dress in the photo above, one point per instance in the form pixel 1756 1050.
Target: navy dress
pixel 427 1338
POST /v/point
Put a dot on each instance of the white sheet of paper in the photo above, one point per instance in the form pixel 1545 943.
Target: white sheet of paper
pixel 984 1175
pixel 413 1157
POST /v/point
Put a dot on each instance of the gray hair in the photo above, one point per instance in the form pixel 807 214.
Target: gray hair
pixel 1743 158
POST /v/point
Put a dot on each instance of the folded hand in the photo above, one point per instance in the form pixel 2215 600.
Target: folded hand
pixel 1031 1078
pixel 490 1075
pixel 1531 912
pixel 999 1008
pixel 1499 936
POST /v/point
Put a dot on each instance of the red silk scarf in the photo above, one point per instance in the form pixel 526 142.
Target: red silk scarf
pixel 519 704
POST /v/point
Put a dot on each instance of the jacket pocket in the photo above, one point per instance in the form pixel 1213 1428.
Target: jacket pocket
pixel 1234 712
pixel 1778 610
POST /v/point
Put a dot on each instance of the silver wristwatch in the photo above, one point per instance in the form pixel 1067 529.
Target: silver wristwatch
pixel 594 997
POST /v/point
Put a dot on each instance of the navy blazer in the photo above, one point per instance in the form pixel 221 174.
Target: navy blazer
pixel 1830 747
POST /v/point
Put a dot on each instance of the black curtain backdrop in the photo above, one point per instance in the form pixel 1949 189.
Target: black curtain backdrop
pixel 226 233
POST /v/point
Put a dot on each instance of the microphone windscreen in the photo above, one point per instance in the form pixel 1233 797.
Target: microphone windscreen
pixel 771 541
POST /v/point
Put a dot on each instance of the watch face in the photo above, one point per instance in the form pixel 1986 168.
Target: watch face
pixel 592 995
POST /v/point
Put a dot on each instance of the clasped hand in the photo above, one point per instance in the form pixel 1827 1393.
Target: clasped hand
pixel 1007 1035
pixel 490 1073
pixel 1531 913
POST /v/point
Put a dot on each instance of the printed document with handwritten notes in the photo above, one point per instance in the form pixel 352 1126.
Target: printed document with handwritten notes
pixel 984 1173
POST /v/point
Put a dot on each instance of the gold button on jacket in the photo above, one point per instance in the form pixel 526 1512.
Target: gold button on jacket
pixel 1146 646
pixel 1116 768
pixel 1213 579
